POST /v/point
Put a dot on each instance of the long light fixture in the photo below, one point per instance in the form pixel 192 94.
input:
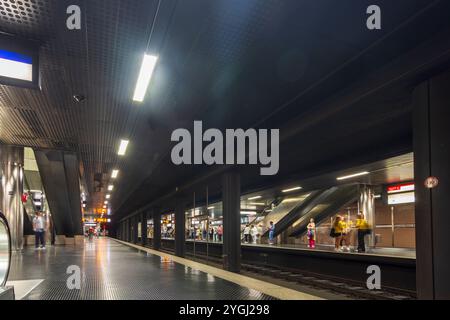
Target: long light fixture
pixel 145 75
pixel 291 189
pixel 353 175
pixel 248 212
pixel 123 147
pixel 114 174
pixel 254 198
pixel 108 196
pixel 210 208
pixel 106 202
pixel 110 187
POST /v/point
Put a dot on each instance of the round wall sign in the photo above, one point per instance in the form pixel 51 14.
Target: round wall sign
pixel 431 182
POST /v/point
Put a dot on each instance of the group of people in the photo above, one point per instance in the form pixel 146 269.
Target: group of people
pixel 213 234
pixel 341 228
pixel 253 234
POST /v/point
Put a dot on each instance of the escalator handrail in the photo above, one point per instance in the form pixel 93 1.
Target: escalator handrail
pixel 4 222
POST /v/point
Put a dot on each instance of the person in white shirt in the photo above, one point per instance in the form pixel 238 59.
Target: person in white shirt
pixel 255 234
pixel 39 231
pixel 246 233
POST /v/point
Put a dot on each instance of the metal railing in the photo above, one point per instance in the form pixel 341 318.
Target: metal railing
pixel 5 250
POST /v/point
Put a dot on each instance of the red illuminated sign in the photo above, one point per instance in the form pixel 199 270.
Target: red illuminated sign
pixel 400 188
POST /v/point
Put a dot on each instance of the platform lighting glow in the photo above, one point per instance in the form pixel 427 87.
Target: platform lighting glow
pixel 104 207
pixel 353 175
pixel 110 187
pixel 16 66
pixel 291 189
pixel 257 203
pixel 123 147
pixel 145 75
pixel 84 206
pixel 114 174
pixel 210 208
pixel 248 212
pixel 106 202
pixel 254 198
pixel 108 196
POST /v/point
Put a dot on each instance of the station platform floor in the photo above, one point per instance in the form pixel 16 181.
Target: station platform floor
pixel 382 252
pixel 113 270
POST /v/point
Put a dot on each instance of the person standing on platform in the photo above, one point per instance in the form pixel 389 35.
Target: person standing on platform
pixel 311 234
pixel 220 233
pixel 254 234
pixel 39 231
pixel 260 232
pixel 337 232
pixel 211 233
pixel 271 232
pixel 363 230
pixel 246 233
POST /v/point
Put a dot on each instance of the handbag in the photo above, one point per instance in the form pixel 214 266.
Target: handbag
pixel 332 233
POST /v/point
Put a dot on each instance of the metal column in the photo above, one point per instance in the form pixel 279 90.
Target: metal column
pixel 180 232
pixel 431 131
pixel 156 229
pixel 11 189
pixel 136 234
pixel 144 228
pixel 366 204
pixel 231 193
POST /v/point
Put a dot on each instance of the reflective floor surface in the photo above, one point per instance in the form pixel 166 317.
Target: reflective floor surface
pixel 110 270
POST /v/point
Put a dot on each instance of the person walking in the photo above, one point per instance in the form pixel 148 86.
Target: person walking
pixel 311 234
pixel 363 229
pixel 39 231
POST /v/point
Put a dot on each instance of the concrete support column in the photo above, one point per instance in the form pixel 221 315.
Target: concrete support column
pixel 180 232
pixel 136 229
pixel 144 228
pixel 11 189
pixel 156 229
pixel 366 205
pixel 431 131
pixel 231 193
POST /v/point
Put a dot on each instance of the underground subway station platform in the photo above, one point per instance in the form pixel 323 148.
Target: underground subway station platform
pixel 215 158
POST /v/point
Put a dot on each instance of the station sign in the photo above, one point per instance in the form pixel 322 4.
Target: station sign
pixel 19 62
pixel 400 193
pixel 405 187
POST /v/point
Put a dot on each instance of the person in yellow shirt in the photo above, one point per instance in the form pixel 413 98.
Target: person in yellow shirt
pixel 363 229
pixel 337 226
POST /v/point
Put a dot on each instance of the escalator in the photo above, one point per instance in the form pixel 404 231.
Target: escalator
pixel 277 210
pixel 331 204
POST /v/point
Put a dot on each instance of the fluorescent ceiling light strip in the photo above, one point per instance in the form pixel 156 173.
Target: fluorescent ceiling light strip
pixel 248 212
pixel 108 196
pixel 291 189
pixel 110 187
pixel 353 175
pixel 145 75
pixel 114 174
pixel 123 147
pixel 254 198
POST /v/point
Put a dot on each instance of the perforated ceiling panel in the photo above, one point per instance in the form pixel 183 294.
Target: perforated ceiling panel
pixel 230 63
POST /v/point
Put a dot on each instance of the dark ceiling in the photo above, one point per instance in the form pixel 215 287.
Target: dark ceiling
pixel 339 92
